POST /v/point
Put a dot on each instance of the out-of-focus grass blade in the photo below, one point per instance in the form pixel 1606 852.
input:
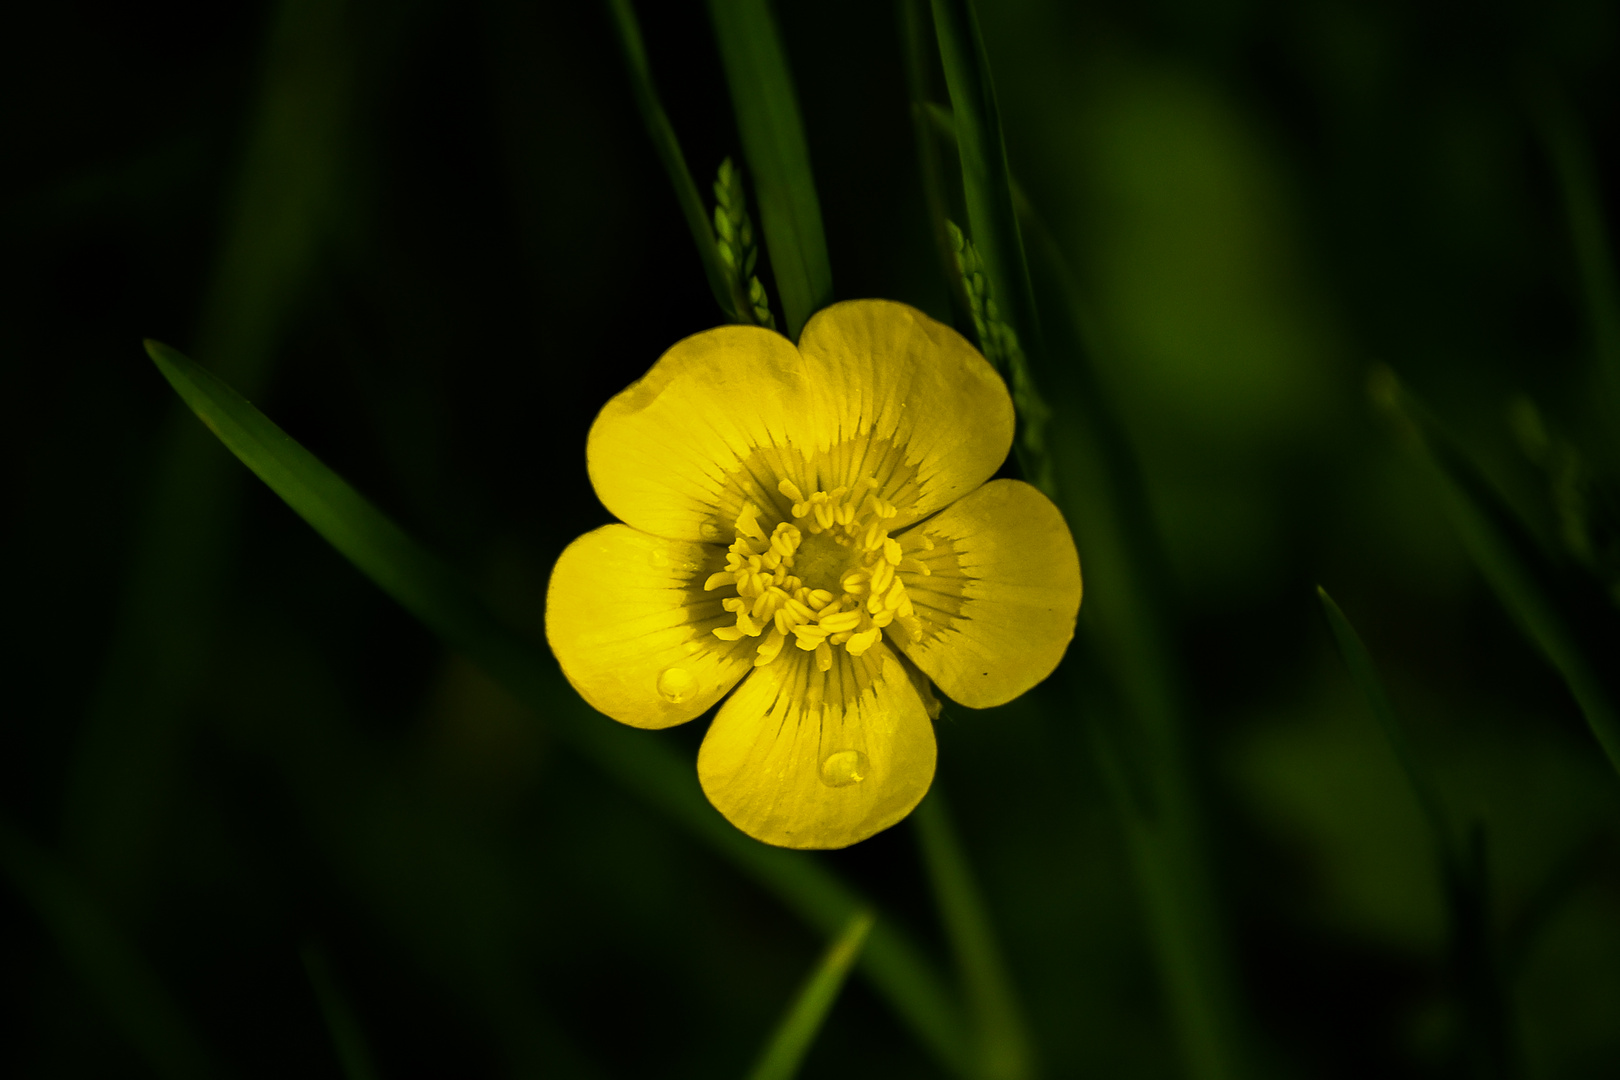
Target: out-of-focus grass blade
pixel 1371 686
pixel 434 594
pixel 804 1018
pixel 1504 554
pixel 1464 876
pixel 1583 208
pixel 668 147
pixel 341 1022
pixel 1003 1040
pixel 778 158
pixel 139 1004
pixel 284 210
pixel 986 182
pixel 1103 494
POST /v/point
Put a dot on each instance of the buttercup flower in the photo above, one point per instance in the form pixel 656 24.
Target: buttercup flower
pixel 814 524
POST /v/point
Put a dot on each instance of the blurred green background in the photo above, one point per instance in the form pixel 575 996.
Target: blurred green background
pixel 431 239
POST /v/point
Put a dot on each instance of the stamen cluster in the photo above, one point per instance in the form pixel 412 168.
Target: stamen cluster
pixel 866 592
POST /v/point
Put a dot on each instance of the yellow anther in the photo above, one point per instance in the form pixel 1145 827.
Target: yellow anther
pixel 769 648
pixel 791 490
pixel 819 598
pixel 891 550
pixel 844 620
pixel 810 636
pixel 717 580
pixel 824 656
pixel 859 643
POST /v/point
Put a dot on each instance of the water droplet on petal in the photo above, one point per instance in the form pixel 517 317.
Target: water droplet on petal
pixel 843 768
pixel 676 684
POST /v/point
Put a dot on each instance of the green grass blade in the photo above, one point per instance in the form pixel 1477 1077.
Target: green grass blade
pixel 986 181
pixel 341 1023
pixel 1365 675
pixel 1003 1038
pixel 798 1029
pixel 1503 553
pixel 778 158
pixel 668 148
pixel 1583 209
pixel 1150 779
pixel 135 998
pixel 642 765
pixel 994 235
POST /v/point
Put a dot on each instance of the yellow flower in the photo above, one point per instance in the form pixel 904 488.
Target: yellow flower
pixel 814 523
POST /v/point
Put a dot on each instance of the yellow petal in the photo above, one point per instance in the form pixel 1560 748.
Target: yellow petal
pixel 909 402
pixel 683 451
pixel 803 758
pixel 998 606
pixel 877 391
pixel 632 627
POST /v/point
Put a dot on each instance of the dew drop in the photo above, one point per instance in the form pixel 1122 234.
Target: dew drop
pixel 843 768
pixel 676 684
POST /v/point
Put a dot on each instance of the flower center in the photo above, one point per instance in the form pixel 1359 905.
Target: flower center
pixel 828 576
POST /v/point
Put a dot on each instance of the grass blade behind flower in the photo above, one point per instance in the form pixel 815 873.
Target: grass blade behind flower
pixel 778 158
pixel 668 148
pixel 1504 555
pixel 429 590
pixel 1104 497
pixel 139 1005
pixel 792 1039
pixel 1464 875
pixel 1003 1041
pixel 341 1022
pixel 1003 296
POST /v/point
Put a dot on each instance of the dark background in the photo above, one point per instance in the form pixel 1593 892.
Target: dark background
pixel 431 239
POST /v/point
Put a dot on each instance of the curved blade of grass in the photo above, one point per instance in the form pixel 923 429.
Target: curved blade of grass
pixel 1504 554
pixel 1365 675
pixel 986 182
pixel 1583 209
pixel 778 158
pixel 1144 763
pixel 993 223
pixel 1464 875
pixel 341 1023
pixel 1003 1037
pixel 668 148
pixel 644 766
pixel 798 1029
pixel 140 1005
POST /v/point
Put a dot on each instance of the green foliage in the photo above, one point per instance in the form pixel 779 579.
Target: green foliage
pixel 778 157
pixel 808 1011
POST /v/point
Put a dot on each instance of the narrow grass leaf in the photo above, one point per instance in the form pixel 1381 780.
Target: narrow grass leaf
pixel 798 1029
pixel 668 148
pixel 139 1004
pixel 778 158
pixel 1365 675
pixel 1009 331
pixel 1004 1050
pixel 1144 761
pixel 1583 209
pixel 1504 554
pixel 428 589
pixel 341 1023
